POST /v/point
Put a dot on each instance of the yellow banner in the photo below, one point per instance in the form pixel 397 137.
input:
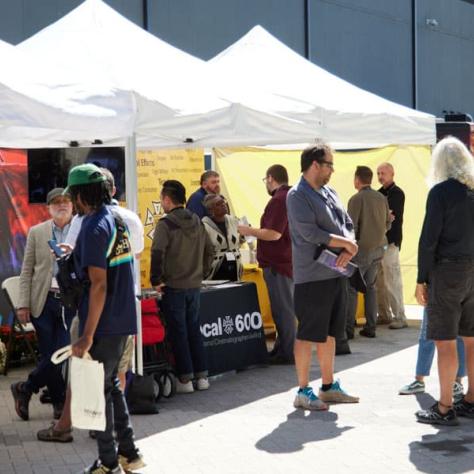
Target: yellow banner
pixel 153 168
pixel 242 171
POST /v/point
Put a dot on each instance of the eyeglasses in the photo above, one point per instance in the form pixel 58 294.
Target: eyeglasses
pixel 329 164
pixel 265 179
pixel 60 200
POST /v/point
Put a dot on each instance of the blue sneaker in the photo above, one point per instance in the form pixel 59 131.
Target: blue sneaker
pixel 336 395
pixel 307 400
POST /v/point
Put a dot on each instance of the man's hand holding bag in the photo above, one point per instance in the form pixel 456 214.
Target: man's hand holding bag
pixel 87 390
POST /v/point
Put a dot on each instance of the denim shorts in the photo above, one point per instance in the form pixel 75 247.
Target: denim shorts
pixel 450 307
pixel 320 308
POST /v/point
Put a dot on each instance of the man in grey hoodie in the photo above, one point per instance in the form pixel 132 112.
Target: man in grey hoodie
pixel 181 256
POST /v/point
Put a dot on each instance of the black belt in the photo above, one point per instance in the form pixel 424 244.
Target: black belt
pixel 55 294
pixel 455 260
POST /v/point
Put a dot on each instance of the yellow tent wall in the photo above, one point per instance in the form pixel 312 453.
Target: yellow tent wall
pixel 242 171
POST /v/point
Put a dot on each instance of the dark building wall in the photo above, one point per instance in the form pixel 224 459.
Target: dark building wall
pixel 367 42
pixel 205 27
pixel 446 56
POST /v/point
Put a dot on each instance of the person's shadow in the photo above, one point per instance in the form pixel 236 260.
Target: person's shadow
pixel 452 445
pixel 299 429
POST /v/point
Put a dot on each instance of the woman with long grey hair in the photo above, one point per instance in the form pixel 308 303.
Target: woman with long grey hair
pixel 445 283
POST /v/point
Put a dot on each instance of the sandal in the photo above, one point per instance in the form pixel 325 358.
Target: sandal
pixel 55 436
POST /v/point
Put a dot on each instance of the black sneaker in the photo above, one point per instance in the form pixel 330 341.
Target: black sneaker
pixel 131 462
pixel 366 333
pixel 99 468
pixel 22 400
pixel 463 408
pixel 45 397
pixel 433 416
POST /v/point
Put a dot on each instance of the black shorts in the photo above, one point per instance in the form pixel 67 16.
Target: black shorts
pixel 320 308
pixel 450 307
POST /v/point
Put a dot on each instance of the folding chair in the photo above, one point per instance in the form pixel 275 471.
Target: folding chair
pixel 18 333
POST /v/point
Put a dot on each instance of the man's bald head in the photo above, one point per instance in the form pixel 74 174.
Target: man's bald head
pixel 385 174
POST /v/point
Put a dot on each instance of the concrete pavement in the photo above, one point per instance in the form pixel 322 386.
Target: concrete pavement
pixel 246 424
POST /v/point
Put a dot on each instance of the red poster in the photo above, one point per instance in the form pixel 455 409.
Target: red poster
pixel 16 215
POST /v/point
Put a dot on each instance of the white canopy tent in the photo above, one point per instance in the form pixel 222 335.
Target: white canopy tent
pixel 261 72
pixel 176 103
pixel 49 107
pixel 182 101
pixel 176 98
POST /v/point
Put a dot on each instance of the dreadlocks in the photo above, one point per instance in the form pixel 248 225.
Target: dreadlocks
pixel 93 195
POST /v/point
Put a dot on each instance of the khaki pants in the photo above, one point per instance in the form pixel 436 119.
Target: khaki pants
pixel 390 287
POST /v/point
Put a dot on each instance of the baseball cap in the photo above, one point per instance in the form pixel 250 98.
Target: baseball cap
pixel 84 174
pixel 54 193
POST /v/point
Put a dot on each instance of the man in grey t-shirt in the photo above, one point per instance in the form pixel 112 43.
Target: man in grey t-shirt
pixel 316 218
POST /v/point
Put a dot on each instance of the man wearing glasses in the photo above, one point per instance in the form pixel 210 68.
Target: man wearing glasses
pixel 317 220
pixel 274 256
pixel 40 304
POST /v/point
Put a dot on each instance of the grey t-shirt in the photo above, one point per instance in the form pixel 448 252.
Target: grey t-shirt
pixel 312 216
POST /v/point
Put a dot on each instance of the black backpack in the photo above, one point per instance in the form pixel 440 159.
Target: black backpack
pixel 71 288
pixel 142 395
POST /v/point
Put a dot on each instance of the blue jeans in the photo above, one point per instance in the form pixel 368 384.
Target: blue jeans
pixel 426 350
pixel 181 310
pixel 52 333
pixel 109 350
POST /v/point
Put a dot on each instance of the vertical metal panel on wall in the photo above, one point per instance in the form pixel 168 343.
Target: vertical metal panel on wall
pixel 367 42
pixel 445 56
pixel 11 21
pixel 205 27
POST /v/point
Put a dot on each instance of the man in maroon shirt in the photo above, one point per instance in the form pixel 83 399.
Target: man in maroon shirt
pixel 274 256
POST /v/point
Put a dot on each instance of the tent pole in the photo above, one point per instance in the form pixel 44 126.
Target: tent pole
pixel 131 193
pixel 213 159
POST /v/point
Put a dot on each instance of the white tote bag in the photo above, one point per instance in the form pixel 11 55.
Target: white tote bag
pixel 87 390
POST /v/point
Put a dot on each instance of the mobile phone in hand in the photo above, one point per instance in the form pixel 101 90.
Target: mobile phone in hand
pixel 58 251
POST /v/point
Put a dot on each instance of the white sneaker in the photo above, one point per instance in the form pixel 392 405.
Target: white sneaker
pixel 398 324
pixel 458 390
pixel 417 386
pixel 307 400
pixel 336 395
pixel 202 383
pixel 184 387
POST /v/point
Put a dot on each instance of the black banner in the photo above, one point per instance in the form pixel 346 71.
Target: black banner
pixel 232 328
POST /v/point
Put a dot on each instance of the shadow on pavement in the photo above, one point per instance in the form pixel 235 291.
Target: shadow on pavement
pixel 451 448
pixel 425 400
pixel 299 429
pixel 234 390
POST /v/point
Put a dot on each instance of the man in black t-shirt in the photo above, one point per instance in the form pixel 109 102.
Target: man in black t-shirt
pixel 391 309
